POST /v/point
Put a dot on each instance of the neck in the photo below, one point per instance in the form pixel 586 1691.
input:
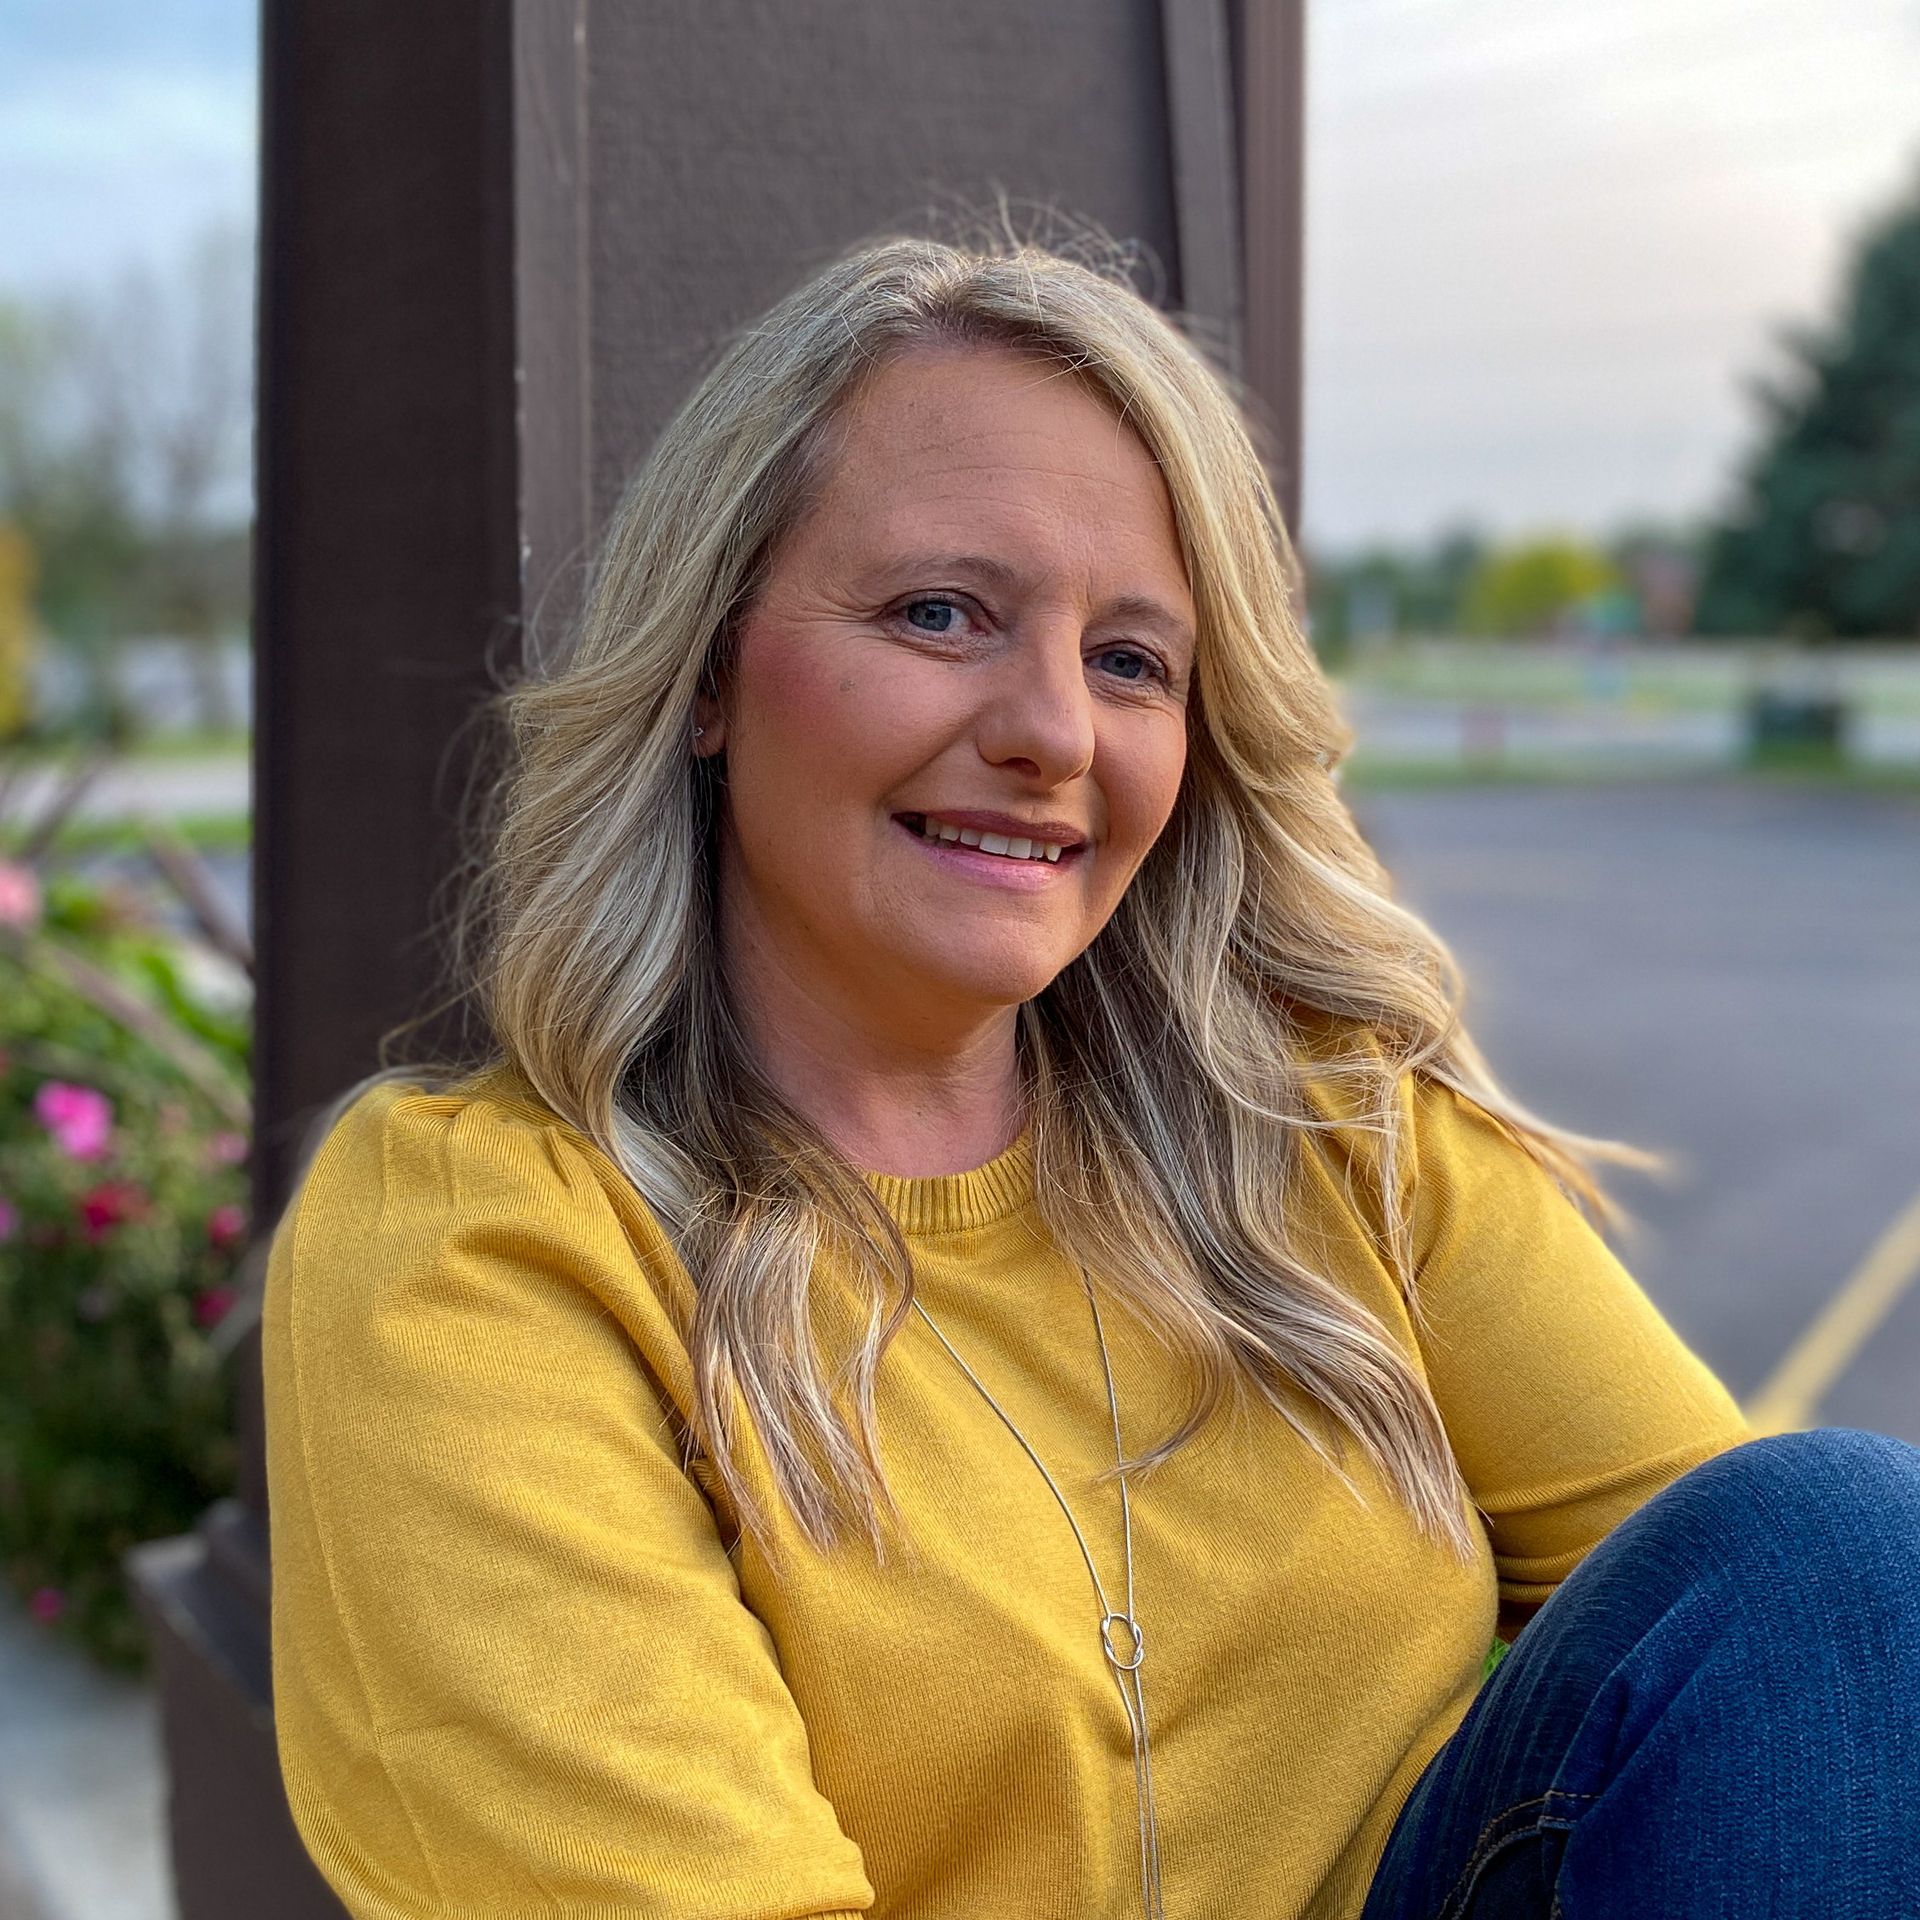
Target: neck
pixel 932 1091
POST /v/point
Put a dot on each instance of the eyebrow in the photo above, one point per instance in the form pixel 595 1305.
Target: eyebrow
pixel 1009 579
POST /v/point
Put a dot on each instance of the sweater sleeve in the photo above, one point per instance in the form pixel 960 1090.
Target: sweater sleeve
pixel 1568 1398
pixel 513 1670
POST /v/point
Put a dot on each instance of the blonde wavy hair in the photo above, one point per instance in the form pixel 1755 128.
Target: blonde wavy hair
pixel 1165 1070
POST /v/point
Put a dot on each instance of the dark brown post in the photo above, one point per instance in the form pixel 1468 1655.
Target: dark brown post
pixel 499 241
pixel 1272 64
pixel 387 565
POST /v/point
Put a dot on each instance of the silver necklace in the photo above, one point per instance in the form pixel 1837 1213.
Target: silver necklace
pixel 1126 1671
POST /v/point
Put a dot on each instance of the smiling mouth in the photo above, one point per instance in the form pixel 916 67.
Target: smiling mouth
pixel 1009 847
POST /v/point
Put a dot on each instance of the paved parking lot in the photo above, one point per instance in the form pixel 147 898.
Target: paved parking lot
pixel 1729 969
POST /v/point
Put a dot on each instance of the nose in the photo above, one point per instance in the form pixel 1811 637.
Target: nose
pixel 1037 716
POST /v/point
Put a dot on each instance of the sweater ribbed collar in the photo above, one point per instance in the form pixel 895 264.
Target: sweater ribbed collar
pixel 933 1203
pixel 952 1202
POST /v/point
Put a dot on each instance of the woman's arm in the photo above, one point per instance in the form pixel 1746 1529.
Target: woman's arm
pixel 513 1670
pixel 1568 1399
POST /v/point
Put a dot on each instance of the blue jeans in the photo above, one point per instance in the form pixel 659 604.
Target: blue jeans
pixel 1716 1716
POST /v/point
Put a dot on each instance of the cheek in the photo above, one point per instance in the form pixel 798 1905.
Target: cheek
pixel 821 734
pixel 1141 777
pixel 780 712
pixel 792 696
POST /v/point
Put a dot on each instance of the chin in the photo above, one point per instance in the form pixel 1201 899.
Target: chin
pixel 1005 982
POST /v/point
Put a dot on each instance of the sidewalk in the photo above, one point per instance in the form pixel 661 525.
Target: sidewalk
pixel 167 787
pixel 82 1794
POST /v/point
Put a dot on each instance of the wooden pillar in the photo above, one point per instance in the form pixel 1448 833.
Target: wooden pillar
pixel 389 478
pixel 499 241
pixel 1272 92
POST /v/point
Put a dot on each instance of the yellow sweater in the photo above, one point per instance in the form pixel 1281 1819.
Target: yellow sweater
pixel 517 1672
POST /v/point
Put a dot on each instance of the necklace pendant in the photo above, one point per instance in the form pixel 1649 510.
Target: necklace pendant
pixel 1137 1641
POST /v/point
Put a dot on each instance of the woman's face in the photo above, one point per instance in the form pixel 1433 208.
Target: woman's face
pixel 983 626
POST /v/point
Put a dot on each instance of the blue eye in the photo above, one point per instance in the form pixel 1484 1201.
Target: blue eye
pixel 939 606
pixel 1151 668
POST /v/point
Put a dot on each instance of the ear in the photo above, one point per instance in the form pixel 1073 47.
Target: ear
pixel 712 722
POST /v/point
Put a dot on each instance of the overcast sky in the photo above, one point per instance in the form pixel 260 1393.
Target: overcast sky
pixel 125 127
pixel 1545 245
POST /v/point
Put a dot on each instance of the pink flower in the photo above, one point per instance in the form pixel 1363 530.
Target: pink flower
pixel 225 1225
pixel 46 1604
pixel 79 1118
pixel 213 1305
pixel 227 1149
pixel 9 1222
pixel 19 897
pixel 105 1206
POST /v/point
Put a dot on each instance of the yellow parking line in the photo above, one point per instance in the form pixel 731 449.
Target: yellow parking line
pixel 1791 1398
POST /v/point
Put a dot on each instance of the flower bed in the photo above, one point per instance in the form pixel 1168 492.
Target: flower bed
pixel 122 1231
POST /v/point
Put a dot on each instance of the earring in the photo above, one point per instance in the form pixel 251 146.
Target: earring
pixel 698 731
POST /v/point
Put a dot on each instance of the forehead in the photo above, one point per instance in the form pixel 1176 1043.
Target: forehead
pixel 987 444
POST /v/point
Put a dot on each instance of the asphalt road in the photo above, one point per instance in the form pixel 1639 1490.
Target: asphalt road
pixel 1726 969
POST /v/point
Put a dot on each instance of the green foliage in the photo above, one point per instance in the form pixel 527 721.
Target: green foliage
pixel 1390 590
pixel 122 1223
pixel 1465 583
pixel 1825 540
pixel 123 457
pixel 1532 588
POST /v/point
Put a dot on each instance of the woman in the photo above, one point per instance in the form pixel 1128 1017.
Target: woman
pixel 984 1343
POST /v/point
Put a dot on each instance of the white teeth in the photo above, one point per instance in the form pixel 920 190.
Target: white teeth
pixel 991 842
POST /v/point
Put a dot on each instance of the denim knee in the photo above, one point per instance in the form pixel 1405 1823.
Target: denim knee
pixel 1805 1473
pixel 1834 1507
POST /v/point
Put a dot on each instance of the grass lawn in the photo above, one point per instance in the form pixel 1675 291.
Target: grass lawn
pixel 1686 677
pixel 153 749
pixel 1361 775
pixel 207 833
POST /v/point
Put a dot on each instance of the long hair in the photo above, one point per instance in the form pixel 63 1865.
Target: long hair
pixel 1167 1077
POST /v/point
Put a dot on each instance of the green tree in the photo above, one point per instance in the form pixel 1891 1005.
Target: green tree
pixel 1825 537
pixel 1387 589
pixel 1457 556
pixel 1355 599
pixel 1531 588
pixel 64 488
pixel 123 458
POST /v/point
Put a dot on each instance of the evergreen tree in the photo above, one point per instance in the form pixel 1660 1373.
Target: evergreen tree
pixel 1825 541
